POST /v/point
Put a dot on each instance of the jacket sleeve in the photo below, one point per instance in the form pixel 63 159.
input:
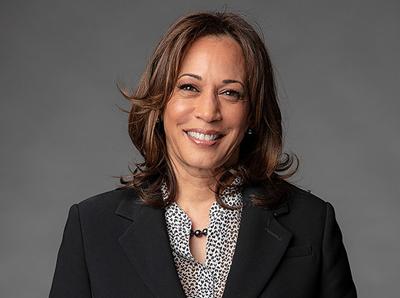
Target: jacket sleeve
pixel 336 278
pixel 71 278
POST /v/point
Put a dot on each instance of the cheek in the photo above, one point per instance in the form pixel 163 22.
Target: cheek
pixel 176 113
pixel 238 118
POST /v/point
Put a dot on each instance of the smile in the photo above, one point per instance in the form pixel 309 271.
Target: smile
pixel 204 138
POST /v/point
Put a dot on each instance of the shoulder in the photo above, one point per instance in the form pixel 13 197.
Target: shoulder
pixel 96 221
pixel 287 194
pixel 299 198
pixel 295 205
pixel 306 213
pixel 106 203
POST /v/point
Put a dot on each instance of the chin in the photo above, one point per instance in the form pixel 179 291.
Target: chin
pixel 203 164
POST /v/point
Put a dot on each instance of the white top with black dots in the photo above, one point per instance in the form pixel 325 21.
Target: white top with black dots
pixel 208 279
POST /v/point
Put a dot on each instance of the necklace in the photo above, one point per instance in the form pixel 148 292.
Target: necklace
pixel 198 233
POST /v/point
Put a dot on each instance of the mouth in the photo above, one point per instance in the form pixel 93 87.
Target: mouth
pixel 204 137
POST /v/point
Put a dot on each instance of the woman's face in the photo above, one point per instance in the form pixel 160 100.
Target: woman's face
pixel 206 117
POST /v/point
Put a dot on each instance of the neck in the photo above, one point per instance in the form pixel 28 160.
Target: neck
pixel 195 189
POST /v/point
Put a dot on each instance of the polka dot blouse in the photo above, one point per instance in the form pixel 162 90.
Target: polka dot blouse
pixel 208 279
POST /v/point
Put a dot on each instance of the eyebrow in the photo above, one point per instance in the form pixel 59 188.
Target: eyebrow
pixel 227 81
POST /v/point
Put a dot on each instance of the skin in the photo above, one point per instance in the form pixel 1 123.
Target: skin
pixel 205 100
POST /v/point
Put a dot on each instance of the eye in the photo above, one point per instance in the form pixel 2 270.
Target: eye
pixel 187 87
pixel 233 93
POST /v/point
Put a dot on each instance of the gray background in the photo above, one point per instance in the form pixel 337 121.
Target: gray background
pixel 63 136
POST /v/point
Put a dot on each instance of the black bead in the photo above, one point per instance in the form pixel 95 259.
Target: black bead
pixel 198 233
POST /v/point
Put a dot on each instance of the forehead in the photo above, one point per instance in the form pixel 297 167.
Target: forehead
pixel 219 55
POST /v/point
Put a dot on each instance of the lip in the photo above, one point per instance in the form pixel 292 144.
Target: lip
pixel 204 143
pixel 205 131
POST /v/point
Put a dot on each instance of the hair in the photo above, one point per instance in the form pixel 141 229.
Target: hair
pixel 261 161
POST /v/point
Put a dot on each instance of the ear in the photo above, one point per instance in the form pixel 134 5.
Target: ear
pixel 160 116
pixel 250 122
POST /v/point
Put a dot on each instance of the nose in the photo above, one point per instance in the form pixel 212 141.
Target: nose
pixel 208 107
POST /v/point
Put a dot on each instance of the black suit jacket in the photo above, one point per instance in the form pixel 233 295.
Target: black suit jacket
pixel 113 247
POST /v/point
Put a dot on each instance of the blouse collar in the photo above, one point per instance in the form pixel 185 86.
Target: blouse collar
pixel 230 196
pixel 179 223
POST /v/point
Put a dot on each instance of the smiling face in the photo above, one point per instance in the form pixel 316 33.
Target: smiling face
pixel 206 117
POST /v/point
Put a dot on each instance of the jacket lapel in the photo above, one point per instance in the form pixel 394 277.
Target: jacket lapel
pixel 146 244
pixel 261 243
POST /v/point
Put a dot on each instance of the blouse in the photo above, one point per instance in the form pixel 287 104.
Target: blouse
pixel 208 279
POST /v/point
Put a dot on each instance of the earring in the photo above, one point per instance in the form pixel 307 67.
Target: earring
pixel 249 131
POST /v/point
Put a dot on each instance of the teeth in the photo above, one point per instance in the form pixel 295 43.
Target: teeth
pixel 202 136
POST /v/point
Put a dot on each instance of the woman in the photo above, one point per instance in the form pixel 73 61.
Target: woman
pixel 208 213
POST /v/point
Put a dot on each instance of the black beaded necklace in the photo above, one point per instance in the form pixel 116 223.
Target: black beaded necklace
pixel 198 233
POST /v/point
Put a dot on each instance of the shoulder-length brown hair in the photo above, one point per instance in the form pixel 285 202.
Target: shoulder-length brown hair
pixel 260 160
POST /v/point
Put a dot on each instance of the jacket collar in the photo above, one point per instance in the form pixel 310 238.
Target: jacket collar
pixel 261 243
